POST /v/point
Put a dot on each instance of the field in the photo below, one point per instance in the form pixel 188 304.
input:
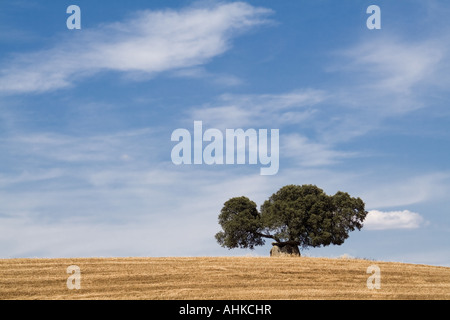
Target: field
pixel 220 278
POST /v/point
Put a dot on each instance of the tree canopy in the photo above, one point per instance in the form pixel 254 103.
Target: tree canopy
pixel 298 215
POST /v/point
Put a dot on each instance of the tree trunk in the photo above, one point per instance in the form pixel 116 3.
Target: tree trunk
pixel 289 248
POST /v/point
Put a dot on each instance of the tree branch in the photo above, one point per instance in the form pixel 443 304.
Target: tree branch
pixel 268 236
pixel 278 241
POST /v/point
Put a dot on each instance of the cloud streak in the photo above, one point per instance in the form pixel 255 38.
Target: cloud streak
pixel 311 154
pixel 392 76
pixel 406 191
pixel 258 110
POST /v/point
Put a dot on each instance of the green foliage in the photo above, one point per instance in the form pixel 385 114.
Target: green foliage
pixel 302 215
pixel 240 222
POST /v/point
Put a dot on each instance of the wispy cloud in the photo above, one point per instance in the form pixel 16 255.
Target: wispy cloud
pixel 391 76
pixel 257 110
pixel 60 148
pixel 225 80
pixel 148 43
pixel 309 153
pixel 402 192
pixel 383 79
pixel 395 65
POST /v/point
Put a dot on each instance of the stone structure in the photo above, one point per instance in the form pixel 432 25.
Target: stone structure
pixel 284 249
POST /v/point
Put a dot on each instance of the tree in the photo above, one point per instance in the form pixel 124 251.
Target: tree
pixel 302 216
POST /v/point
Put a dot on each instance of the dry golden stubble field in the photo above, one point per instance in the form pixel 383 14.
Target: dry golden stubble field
pixel 228 278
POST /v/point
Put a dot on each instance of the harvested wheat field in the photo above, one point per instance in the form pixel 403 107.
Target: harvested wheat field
pixel 226 278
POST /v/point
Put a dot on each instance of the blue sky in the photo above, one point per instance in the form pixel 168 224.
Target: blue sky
pixel 86 118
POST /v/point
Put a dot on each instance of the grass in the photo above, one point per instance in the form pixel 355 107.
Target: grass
pixel 237 278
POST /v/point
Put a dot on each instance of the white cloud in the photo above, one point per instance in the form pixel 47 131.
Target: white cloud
pixel 392 76
pixel 36 175
pixel 83 149
pixel 394 65
pixel 226 80
pixel 308 153
pixel 383 220
pixel 257 111
pixel 149 43
pixel 412 190
pixel 293 99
